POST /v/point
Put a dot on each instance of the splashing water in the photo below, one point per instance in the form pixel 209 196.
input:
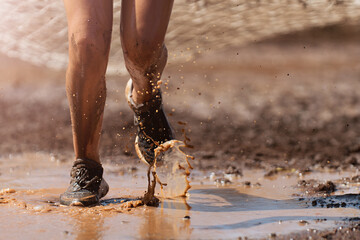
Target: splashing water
pixel 171 170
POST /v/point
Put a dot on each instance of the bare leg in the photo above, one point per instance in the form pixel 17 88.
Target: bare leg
pixel 143 27
pixel 89 34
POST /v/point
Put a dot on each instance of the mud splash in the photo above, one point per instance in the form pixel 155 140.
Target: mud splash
pixel 174 168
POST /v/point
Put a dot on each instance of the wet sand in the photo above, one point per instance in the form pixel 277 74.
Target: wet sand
pixel 282 115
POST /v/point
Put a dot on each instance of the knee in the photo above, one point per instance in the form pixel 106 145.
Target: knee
pixel 89 48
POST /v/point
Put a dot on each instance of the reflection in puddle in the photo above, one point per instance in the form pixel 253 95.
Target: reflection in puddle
pixel 88 226
pixel 162 224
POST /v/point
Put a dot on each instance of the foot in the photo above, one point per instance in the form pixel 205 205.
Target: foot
pixel 153 127
pixel 86 186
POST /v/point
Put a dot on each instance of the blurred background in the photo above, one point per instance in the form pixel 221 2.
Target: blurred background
pixel 249 82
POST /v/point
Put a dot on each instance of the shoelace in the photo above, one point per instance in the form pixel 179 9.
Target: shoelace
pixel 80 175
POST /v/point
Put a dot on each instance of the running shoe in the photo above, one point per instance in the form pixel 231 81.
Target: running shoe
pixel 153 127
pixel 86 186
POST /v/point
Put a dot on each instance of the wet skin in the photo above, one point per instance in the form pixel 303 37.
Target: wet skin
pixel 143 28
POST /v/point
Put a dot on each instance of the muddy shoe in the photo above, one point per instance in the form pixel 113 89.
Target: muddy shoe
pixel 153 127
pixel 87 185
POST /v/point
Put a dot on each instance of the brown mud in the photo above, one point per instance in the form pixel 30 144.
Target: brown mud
pixel 252 205
pixel 275 128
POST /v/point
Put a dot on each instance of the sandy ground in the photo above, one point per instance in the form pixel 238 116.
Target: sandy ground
pixel 283 107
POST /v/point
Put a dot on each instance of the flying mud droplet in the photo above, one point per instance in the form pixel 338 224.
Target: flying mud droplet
pixel 171 170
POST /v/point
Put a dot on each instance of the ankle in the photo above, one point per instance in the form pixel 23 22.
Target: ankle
pixel 141 97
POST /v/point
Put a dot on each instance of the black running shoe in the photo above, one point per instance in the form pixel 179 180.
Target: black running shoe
pixel 153 127
pixel 86 186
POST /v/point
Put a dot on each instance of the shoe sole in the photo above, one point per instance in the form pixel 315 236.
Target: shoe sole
pixel 80 202
pixel 138 151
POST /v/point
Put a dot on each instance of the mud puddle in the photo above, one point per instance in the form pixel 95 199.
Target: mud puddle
pixel 217 206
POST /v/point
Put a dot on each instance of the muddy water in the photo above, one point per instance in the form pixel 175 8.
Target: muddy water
pixel 252 205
